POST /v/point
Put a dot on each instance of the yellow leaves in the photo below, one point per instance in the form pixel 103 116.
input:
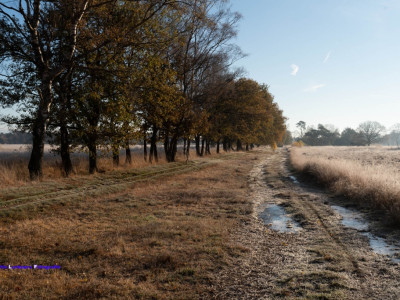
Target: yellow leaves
pixel 298 144
pixel 245 112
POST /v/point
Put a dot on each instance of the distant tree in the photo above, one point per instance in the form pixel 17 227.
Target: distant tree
pixel 331 127
pixel 329 134
pixel 302 127
pixel 15 138
pixel 321 136
pixel 394 135
pixel 311 137
pixel 350 137
pixel 371 131
pixel 287 138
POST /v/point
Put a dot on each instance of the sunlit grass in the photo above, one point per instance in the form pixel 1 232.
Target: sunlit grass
pixel 162 239
pixel 370 175
pixel 14 164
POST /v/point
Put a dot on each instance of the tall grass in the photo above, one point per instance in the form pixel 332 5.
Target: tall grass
pixel 14 165
pixel 369 179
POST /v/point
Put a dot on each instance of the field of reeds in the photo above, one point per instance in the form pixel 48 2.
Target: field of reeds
pixel 368 175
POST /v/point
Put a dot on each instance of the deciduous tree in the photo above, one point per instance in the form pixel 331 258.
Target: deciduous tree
pixel 371 131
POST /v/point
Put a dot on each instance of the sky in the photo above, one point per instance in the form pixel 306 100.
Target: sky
pixel 326 62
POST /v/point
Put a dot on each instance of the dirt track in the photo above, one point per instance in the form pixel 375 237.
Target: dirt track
pixel 323 260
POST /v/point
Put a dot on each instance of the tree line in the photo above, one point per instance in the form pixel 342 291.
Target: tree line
pixel 15 138
pixel 105 73
pixel 367 133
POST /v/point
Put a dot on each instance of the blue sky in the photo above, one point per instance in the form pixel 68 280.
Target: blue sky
pixel 330 62
pixel 346 53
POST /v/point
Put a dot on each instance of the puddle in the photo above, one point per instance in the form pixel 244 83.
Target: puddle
pixel 355 220
pixel 276 216
pixel 294 179
pixel 352 219
pixel 379 246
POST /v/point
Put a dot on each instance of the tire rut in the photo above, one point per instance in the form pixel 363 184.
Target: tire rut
pixel 323 260
pixel 324 248
pixel 99 186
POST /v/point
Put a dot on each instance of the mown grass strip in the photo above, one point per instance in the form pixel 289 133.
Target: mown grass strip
pixel 48 187
pixel 99 188
pixel 43 189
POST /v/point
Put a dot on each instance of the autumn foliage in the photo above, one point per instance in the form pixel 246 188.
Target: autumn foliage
pixel 89 74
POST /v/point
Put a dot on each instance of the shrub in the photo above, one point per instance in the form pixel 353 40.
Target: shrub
pixel 298 144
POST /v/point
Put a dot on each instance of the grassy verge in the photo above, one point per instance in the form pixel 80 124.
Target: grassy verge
pixel 16 201
pixel 14 166
pixel 157 239
pixel 373 185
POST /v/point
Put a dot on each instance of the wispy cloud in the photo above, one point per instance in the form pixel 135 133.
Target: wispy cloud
pixel 328 55
pixel 314 88
pixel 295 69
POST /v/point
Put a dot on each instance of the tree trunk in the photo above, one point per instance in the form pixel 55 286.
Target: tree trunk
pixel 239 145
pixel 153 146
pixel 184 146
pixel 174 148
pixel 64 150
pixel 92 135
pixel 208 151
pixel 128 155
pixel 36 159
pixel 115 155
pixel 247 147
pixel 145 148
pixel 92 154
pixel 151 153
pixel 170 147
pixel 187 148
pixel 218 146
pixel 116 160
pixel 197 140
pixel 35 165
pixel 63 89
pixel 166 146
pixel 202 146
pixel 155 153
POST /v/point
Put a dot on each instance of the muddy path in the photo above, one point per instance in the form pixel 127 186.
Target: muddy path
pixel 309 253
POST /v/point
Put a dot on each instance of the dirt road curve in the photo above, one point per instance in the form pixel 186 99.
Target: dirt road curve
pixel 322 260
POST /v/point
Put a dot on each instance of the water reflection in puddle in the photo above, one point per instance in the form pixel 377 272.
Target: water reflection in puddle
pixel 275 216
pixel 351 218
pixel 355 220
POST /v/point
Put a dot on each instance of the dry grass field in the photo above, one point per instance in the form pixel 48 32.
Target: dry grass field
pixel 370 175
pixel 145 231
pixel 139 235
pixel 184 230
pixel 14 163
